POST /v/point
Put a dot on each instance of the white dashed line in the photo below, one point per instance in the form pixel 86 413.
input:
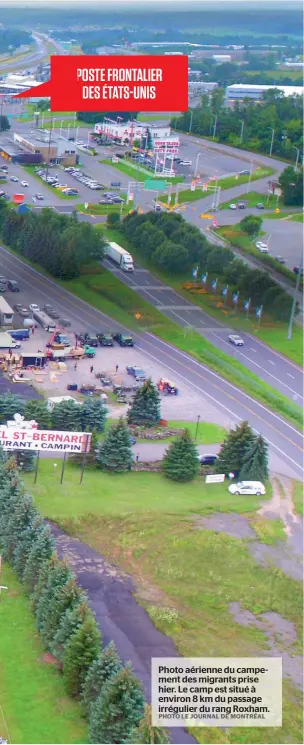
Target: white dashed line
pixel 271 362
pixel 290 376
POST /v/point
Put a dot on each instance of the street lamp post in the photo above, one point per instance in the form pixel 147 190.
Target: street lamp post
pixel 49 150
pixel 69 124
pixel 190 125
pixel 197 424
pixel 215 123
pixel 297 158
pixel 272 140
pixel 249 177
pixel 294 303
pixel 242 131
pixel 61 125
pixel 196 164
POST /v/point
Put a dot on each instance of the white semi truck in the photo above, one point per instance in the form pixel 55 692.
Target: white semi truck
pixel 120 256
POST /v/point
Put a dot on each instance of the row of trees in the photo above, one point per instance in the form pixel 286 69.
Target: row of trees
pixel 11 39
pixel 169 242
pixel 111 695
pixel 245 454
pixel 89 416
pixel 249 125
pixel 57 242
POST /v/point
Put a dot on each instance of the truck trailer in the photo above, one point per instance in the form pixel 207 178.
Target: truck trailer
pixel 120 256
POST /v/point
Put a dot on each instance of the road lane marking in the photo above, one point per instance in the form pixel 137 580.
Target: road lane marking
pixel 271 362
pixel 290 376
pixel 252 349
pixel 90 310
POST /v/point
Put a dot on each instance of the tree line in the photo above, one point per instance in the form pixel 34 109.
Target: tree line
pixel 249 125
pixel 59 243
pixel 176 247
pixel 111 696
pixel 11 39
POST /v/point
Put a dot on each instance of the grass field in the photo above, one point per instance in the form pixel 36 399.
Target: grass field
pixel 225 183
pixel 104 209
pixel 33 700
pixel 206 433
pixel 298 498
pixel 141 174
pixel 186 577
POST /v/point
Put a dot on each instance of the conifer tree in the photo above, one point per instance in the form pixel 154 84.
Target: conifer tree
pixel 20 519
pixel 70 622
pixel 25 460
pixel 255 462
pixel 181 461
pixel 58 575
pixel 67 416
pixel 233 449
pixel 38 411
pixel 146 732
pixel 24 545
pixel 93 415
pixel 10 404
pixel 115 452
pixel 102 669
pixel 145 409
pixel 41 551
pixel 64 598
pixel 82 649
pixel 118 709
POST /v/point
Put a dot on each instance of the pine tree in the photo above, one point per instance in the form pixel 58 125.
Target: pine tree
pixel 255 462
pixel 181 461
pixel 64 598
pixel 58 576
pixel 93 415
pixel 41 551
pixel 233 449
pixel 67 416
pixel 82 649
pixel 25 460
pixel 22 516
pixel 145 409
pixel 38 411
pixel 25 544
pixel 115 452
pixel 102 669
pixel 10 404
pixel 70 622
pixel 146 732
pixel 118 710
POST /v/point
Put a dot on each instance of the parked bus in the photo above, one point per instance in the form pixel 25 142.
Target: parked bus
pixel 44 320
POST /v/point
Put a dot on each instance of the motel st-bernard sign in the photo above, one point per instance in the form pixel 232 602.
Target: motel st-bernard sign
pixel 21 435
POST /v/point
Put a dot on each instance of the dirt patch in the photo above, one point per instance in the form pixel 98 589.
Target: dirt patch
pixel 281 637
pixel 236 526
pixel 48 659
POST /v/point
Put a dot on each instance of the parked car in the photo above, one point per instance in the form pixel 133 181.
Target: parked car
pixel 185 162
pixel 232 206
pixel 241 205
pixel 281 260
pixel 2 287
pixel 53 314
pixel 12 285
pixel 40 197
pixel 65 322
pixel 262 247
pixel 207 460
pixel 91 339
pixel 135 370
pixel 247 487
pixel 34 307
pixel 244 173
pixel 14 178
pixel 24 312
pixel 260 206
pixel 236 340
pixel 124 340
pixel 47 308
pixel 105 340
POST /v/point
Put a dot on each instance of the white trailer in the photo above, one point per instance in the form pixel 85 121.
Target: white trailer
pixel 120 256
pixel 6 341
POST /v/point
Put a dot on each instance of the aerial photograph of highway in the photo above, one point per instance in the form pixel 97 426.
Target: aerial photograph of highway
pixel 151 372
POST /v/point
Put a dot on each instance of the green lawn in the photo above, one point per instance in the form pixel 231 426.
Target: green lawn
pixel 297 218
pixel 252 199
pixel 186 577
pixel 34 706
pixel 206 433
pixel 227 182
pixel 104 209
pixel 268 531
pixel 298 498
pixel 156 117
pixel 66 122
pixel 141 174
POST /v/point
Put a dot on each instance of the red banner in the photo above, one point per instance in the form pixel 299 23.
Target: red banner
pixel 118 83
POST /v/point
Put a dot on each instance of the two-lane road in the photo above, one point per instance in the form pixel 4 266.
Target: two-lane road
pixel 285 441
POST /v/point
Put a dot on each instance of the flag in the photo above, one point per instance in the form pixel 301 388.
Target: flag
pixel 194 272
pixel 225 291
pixel 259 311
pixel 214 284
pixel 235 297
pixel 204 278
pixel 246 304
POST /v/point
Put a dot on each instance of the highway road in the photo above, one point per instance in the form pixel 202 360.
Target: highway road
pixel 278 371
pixel 284 439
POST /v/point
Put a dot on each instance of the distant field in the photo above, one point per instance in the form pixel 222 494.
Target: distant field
pixel 277 74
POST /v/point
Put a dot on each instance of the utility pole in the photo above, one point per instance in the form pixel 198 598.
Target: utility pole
pixel 294 302
pixel 196 164
pixel 214 128
pixel 249 178
pixel 242 131
pixel 190 125
pixel 297 158
pixel 272 140
pixel 49 150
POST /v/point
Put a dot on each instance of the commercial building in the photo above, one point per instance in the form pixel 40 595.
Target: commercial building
pixel 15 83
pixel 239 91
pixel 125 133
pixel 12 153
pixel 51 147
pixel 221 58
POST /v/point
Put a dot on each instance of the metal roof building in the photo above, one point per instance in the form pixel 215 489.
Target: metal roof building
pixel 239 91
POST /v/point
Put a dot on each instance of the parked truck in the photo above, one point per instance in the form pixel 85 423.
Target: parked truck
pixel 120 256
pixel 60 355
pixel 6 341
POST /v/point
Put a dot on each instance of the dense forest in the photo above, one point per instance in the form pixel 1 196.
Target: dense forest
pixel 11 39
pixel 249 125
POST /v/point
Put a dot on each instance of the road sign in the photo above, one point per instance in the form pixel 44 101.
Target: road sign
pixel 154 184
